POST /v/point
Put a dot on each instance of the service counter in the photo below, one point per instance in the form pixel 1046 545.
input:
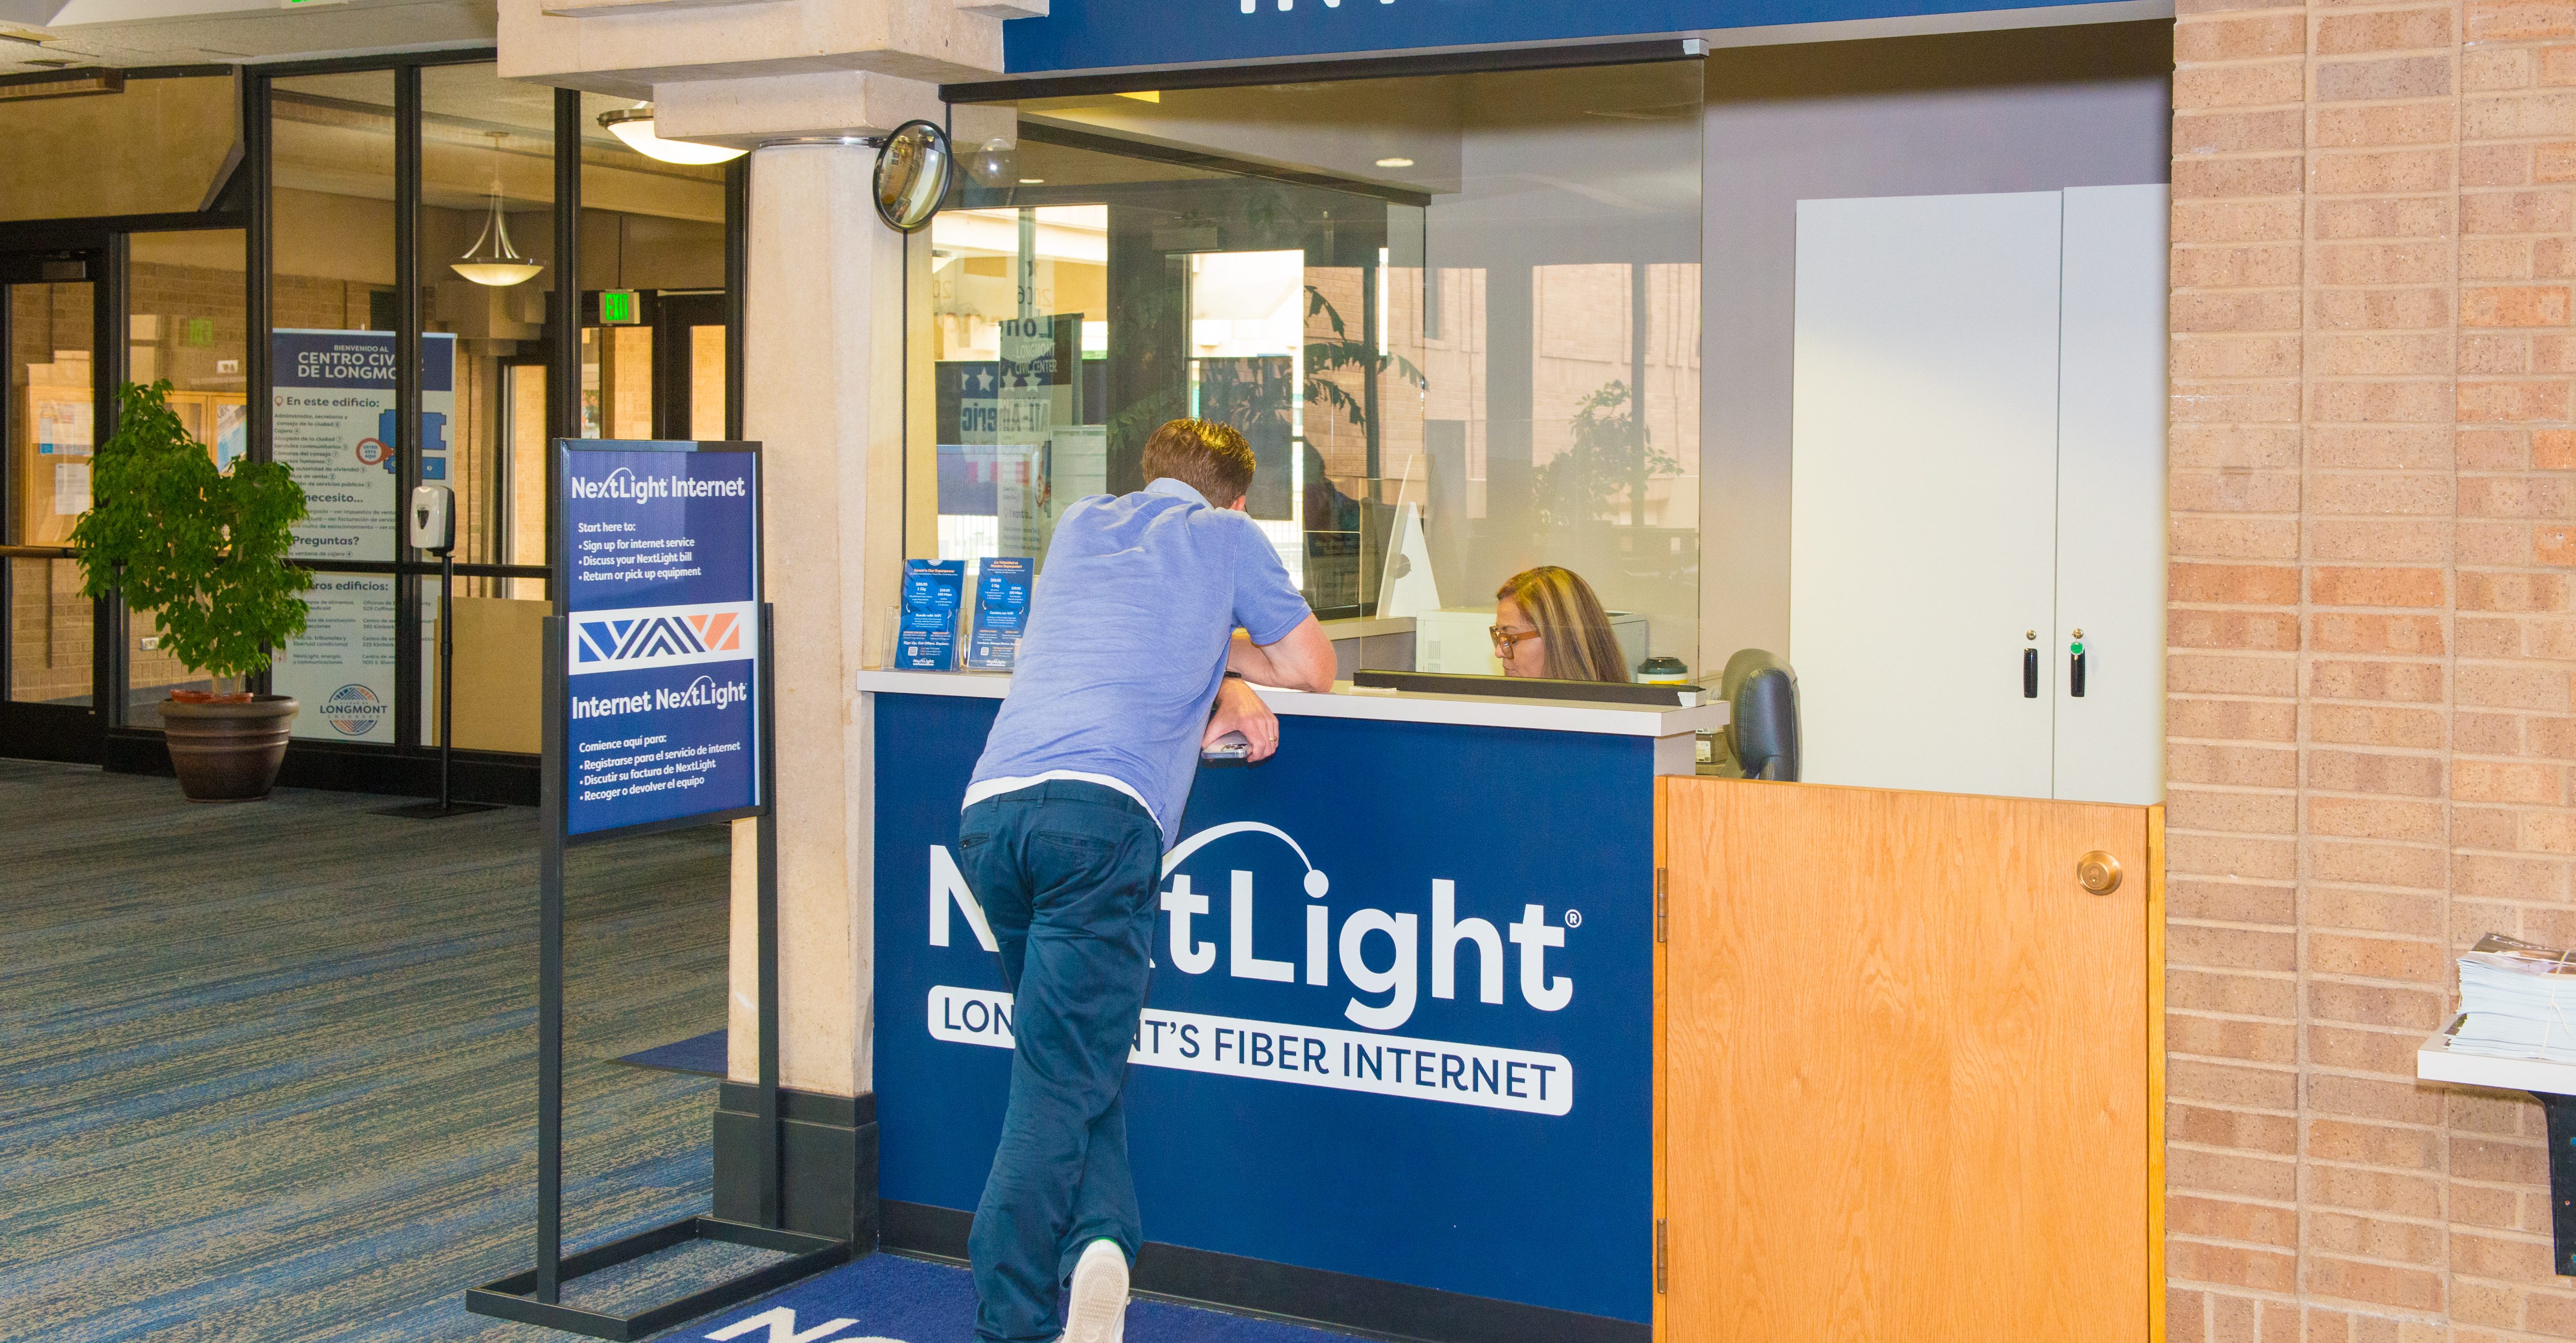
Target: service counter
pixel 1396 1070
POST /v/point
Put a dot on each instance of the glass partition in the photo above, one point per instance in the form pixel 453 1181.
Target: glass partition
pixel 332 310
pixel 51 408
pixel 1456 316
pixel 186 323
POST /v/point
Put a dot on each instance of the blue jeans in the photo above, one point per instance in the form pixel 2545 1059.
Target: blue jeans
pixel 1066 874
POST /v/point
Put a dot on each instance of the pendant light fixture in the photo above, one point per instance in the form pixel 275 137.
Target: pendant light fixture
pixel 492 260
pixel 634 125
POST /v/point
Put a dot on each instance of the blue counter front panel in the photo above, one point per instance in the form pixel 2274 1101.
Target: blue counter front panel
pixel 1498 1149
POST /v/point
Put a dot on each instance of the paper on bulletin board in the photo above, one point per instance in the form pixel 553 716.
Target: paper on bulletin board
pixel 71 488
pixel 63 427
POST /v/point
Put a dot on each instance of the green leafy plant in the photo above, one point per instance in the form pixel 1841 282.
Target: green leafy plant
pixel 1343 353
pixel 204 550
pixel 1609 457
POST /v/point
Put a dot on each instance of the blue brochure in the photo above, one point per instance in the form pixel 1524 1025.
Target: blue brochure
pixel 1001 613
pixel 932 592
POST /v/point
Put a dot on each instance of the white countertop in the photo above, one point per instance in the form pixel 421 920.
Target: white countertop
pixel 1366 627
pixel 1542 715
pixel 2436 1061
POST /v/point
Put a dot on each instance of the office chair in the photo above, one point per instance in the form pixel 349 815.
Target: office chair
pixel 1760 740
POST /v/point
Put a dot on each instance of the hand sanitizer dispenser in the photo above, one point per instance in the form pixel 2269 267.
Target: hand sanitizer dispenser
pixel 433 518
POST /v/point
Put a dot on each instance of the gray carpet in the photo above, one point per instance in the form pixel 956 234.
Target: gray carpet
pixel 268 1071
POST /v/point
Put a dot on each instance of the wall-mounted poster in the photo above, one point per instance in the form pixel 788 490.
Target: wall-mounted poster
pixel 334 426
pixel 341 669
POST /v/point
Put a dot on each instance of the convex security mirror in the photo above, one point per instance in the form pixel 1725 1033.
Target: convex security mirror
pixel 913 168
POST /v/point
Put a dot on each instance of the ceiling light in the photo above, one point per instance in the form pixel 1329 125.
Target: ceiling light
pixel 1395 163
pixel 492 260
pixel 634 125
pixel 1032 181
pixel 1145 96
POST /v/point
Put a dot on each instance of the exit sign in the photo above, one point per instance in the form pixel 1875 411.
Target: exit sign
pixel 620 307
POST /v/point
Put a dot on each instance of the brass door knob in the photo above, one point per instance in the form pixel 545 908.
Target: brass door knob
pixel 2098 872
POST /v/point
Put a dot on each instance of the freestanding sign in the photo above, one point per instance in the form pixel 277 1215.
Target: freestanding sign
pixel 659 548
pixel 657 698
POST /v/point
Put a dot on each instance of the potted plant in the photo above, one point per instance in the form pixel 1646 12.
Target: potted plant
pixel 205 552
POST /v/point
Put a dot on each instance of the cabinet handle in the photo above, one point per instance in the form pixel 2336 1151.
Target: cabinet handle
pixel 2030 673
pixel 2075 671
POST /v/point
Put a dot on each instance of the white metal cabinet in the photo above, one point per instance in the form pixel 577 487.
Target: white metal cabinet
pixel 1978 472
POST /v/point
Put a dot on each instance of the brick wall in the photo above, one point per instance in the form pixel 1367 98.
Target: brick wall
pixel 2374 237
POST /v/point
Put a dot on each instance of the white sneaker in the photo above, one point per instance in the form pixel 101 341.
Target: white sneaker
pixel 1095 1308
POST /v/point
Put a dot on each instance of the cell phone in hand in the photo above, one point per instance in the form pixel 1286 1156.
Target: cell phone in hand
pixel 1231 749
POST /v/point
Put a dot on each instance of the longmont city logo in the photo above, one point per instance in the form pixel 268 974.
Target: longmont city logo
pixel 662 636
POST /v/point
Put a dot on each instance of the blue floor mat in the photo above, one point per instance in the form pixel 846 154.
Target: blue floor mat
pixel 703 1054
pixel 887 1297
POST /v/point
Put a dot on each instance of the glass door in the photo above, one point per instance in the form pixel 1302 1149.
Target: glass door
pixel 50 644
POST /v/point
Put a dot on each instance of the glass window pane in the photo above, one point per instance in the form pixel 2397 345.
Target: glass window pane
pixel 49 633
pixel 333 310
pixel 707 383
pixel 656 230
pixel 333 406
pixel 487 274
pixel 52 402
pixel 1456 316
pixel 186 324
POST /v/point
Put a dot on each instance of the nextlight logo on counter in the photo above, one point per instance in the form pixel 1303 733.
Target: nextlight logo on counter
pixel 1378 954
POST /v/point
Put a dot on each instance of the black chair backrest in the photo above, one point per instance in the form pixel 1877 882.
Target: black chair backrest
pixel 1762 697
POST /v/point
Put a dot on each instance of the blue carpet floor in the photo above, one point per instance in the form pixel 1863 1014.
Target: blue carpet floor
pixel 887 1299
pixel 700 1054
pixel 267 1073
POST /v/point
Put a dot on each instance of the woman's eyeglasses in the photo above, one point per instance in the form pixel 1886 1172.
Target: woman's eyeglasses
pixel 1506 639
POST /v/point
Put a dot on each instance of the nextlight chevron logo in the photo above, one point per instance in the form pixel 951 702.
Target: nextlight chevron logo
pixel 660 636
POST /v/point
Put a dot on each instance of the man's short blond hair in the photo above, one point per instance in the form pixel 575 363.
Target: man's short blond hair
pixel 1206 455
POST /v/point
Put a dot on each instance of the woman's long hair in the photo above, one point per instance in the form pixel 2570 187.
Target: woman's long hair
pixel 1572 627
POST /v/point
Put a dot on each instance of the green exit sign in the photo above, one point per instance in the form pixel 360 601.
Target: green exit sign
pixel 198 332
pixel 620 307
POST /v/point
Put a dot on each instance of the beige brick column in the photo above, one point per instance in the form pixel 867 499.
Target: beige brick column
pixel 2374 237
pixel 2240 134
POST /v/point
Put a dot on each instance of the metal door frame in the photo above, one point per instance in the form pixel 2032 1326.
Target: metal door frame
pixel 57 731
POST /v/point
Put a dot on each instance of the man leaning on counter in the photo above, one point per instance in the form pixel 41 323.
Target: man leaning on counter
pixel 1397 973
pixel 1152 609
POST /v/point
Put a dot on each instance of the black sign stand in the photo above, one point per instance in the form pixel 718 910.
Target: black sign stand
pixel 446 805
pixel 535 1296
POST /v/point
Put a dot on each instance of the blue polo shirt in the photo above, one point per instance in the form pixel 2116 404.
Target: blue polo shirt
pixel 1126 643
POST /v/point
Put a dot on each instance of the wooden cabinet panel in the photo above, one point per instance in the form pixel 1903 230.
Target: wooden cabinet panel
pixel 1907 1084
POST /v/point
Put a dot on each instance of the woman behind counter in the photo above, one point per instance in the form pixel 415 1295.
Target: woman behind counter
pixel 1548 623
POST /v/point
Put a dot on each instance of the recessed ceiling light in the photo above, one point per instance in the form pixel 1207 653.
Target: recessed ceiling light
pixel 1032 181
pixel 1395 163
pixel 1145 95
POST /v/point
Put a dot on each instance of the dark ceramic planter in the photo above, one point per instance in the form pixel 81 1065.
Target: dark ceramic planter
pixel 227 752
